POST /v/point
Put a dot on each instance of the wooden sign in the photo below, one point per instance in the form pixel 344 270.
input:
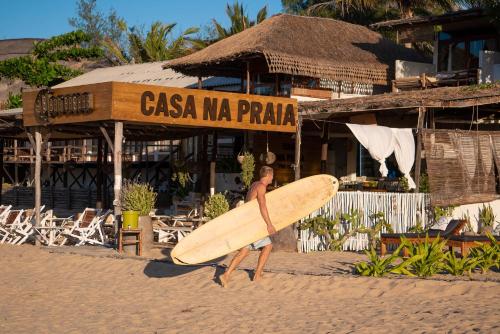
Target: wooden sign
pixel 150 104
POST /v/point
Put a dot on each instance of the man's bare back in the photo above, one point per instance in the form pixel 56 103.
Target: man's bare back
pixel 254 189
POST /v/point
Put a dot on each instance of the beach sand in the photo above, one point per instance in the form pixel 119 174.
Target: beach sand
pixel 66 291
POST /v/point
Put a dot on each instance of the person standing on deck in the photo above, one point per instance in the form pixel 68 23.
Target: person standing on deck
pixel 257 191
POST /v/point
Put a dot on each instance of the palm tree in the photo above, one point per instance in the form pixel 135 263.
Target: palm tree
pixel 239 20
pixel 351 8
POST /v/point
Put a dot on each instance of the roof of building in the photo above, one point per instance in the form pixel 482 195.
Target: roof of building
pixel 445 97
pixel 146 73
pixel 10 48
pixel 304 46
pixel 455 16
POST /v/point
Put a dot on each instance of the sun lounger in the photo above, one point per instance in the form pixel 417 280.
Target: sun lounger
pixel 466 242
pixel 88 229
pixel 9 224
pixel 453 228
pixel 4 211
pixel 51 229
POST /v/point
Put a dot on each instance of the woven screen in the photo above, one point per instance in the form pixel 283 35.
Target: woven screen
pixel 461 166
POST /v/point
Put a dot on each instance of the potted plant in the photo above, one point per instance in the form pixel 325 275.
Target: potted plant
pixel 247 169
pixel 137 201
pixel 215 206
pixel 486 219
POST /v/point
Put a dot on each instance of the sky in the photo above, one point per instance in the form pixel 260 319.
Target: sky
pixel 46 18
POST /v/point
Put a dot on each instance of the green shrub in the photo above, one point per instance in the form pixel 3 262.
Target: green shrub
pixel 215 206
pixel 430 256
pixel 486 216
pixel 336 231
pixel 459 266
pixel 14 101
pixel 138 197
pixel 487 255
pixel 378 266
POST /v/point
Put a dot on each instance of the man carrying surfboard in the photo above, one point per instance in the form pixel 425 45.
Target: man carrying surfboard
pixel 257 191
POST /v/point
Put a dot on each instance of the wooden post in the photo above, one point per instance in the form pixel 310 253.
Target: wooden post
pixel 38 171
pixel 99 172
pixel 117 163
pixel 16 167
pixel 297 148
pixel 105 177
pixel 200 83
pixel 248 77
pixel 2 144
pixel 212 163
pixel 324 147
pixel 418 156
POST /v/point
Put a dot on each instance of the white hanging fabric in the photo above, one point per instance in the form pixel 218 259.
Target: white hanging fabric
pixel 378 140
pixel 404 150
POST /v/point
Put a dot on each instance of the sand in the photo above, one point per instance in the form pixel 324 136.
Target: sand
pixel 46 292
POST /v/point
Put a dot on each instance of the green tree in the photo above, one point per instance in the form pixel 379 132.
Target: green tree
pixel 368 11
pixel 42 67
pixel 93 22
pixel 160 44
pixel 239 20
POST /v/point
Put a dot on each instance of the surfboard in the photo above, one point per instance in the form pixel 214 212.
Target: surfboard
pixel 243 225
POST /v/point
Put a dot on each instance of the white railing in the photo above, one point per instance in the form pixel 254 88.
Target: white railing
pixel 401 210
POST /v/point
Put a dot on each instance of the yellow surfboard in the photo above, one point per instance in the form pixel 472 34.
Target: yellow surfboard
pixel 243 225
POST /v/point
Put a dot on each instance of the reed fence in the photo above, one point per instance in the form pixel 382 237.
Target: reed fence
pixel 401 210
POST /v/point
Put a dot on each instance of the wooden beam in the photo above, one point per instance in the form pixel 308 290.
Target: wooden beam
pixel 418 157
pixel 108 138
pixel 117 162
pixel 297 148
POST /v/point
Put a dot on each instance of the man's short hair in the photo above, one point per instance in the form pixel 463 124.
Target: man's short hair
pixel 265 171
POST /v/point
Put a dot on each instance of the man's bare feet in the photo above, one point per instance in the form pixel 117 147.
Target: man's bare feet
pixel 224 280
pixel 256 277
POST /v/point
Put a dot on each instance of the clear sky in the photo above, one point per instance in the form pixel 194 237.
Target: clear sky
pixel 46 18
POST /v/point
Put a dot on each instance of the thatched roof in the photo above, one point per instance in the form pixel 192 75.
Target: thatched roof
pixel 445 97
pixel 305 46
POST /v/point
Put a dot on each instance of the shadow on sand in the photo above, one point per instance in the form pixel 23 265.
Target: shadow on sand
pixel 165 268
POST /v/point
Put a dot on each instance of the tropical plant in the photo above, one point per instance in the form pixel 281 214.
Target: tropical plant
pixel 378 266
pixel 160 44
pixel 430 256
pixel 337 230
pixel 239 20
pixel 247 169
pixel 14 101
pixel 486 215
pixel 182 177
pixel 487 255
pixel 367 11
pixel 215 206
pixel 379 223
pixel 138 197
pixel 459 266
pixel 41 67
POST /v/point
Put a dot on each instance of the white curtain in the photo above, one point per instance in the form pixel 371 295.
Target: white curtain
pixel 378 140
pixel 404 150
